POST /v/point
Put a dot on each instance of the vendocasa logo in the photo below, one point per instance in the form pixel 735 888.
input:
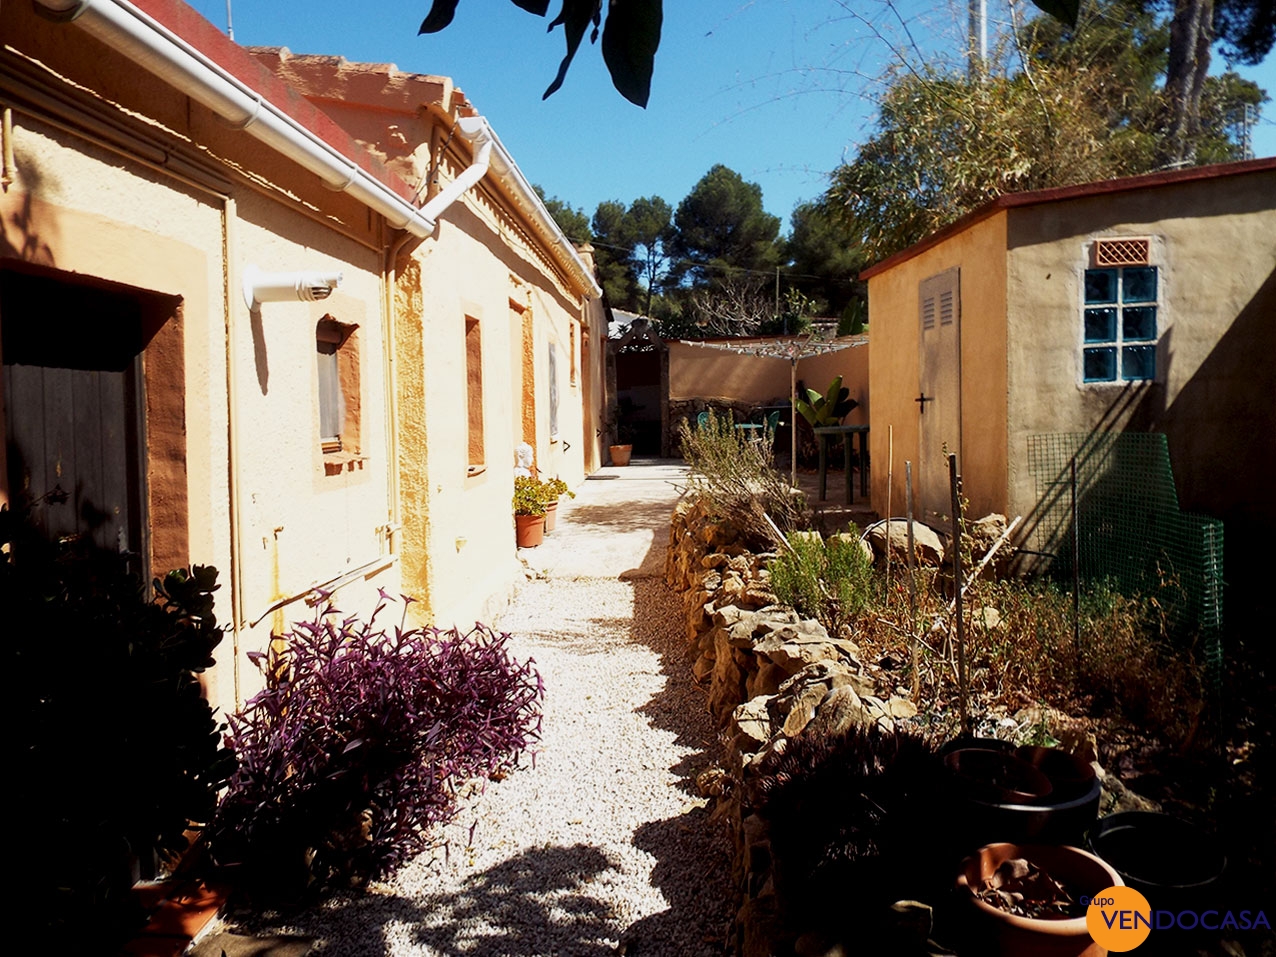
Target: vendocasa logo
pixel 1120 919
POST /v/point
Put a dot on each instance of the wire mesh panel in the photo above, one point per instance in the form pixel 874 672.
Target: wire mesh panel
pixel 1130 530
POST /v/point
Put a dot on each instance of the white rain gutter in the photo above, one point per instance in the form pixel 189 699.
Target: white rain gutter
pixel 151 45
pixel 504 164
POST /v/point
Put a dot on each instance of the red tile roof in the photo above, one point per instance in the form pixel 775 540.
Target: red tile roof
pixel 188 24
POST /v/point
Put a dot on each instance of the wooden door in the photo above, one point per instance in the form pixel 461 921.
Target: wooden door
pixel 73 415
pixel 939 404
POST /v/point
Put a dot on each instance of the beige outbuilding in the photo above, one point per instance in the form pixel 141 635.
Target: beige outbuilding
pixel 1145 304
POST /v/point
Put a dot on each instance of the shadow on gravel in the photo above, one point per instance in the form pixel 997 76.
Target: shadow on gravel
pixel 533 904
pixel 692 867
pixel 629 517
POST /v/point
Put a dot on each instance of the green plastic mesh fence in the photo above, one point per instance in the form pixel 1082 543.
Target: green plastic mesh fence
pixel 1130 530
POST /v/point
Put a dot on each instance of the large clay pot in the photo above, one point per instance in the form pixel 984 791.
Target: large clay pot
pixel 551 516
pixel 976 806
pixel 530 530
pixel 1070 777
pixel 620 454
pixel 989 775
pixel 1008 935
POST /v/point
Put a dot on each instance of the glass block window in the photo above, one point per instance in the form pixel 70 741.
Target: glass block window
pixel 1119 324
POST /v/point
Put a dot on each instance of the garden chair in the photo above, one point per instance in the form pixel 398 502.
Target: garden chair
pixel 702 420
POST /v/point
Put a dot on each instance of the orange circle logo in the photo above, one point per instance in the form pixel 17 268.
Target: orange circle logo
pixel 1119 918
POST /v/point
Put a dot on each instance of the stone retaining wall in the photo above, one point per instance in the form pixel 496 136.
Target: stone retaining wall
pixel 771 676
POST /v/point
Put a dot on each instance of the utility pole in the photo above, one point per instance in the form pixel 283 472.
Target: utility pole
pixel 1247 123
pixel 978 39
pixel 777 297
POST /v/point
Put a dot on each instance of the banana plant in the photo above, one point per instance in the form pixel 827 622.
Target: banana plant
pixel 827 409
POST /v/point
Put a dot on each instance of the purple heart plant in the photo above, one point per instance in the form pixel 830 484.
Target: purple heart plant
pixel 351 756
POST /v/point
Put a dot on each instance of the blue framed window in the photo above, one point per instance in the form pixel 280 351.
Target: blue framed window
pixel 1119 325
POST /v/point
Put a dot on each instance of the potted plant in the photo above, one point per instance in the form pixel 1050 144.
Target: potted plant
pixel 620 426
pixel 554 489
pixel 1030 898
pixel 529 511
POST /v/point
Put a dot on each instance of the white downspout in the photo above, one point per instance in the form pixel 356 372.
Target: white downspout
pixel 479 134
pixel 152 46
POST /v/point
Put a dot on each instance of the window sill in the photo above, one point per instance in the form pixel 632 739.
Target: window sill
pixel 335 463
pixel 474 470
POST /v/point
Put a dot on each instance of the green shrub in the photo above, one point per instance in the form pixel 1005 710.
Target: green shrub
pixel 733 475
pixel 830 580
pixel 117 754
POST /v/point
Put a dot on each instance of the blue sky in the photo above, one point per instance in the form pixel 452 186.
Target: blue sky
pixel 779 90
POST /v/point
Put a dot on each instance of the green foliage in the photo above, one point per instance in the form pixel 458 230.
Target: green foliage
pixel 796 312
pixel 530 496
pixel 722 225
pixel 853 318
pixel 570 219
pixel 612 257
pixel 630 37
pixel 733 475
pixel 554 489
pixel 1247 29
pixel 1082 106
pixel 829 580
pixel 821 245
pixel 633 250
pixel 827 409
pixel 117 753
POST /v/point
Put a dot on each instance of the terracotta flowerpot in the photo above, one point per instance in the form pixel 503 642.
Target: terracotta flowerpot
pixel 1013 936
pixel 551 516
pixel 620 454
pixel 530 530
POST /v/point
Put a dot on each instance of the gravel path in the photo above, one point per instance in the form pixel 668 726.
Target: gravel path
pixel 604 847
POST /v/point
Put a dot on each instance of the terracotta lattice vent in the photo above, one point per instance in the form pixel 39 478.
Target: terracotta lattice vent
pixel 1122 252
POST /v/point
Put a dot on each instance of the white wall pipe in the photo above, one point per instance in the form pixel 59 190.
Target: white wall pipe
pixel 259 287
pixel 151 45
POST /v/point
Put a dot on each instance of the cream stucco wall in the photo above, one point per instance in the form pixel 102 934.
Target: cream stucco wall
pixel 699 372
pixel 105 214
pixel 894 375
pixel 1214 243
pixel 306 517
pixel 459 549
pixel 696 372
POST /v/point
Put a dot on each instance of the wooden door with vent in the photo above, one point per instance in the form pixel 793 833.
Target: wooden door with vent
pixel 939 402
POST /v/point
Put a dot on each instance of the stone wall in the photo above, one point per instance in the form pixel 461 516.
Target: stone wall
pixel 771 676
